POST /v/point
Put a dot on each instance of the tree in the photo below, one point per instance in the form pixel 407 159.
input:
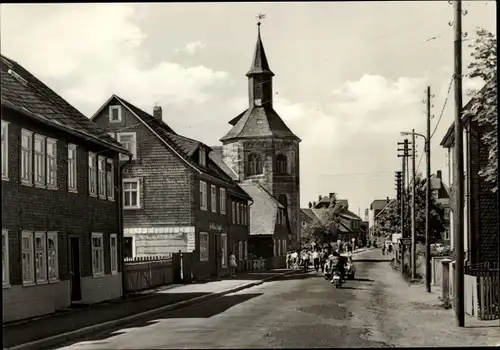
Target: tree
pixel 323 229
pixel 484 104
pixel 390 219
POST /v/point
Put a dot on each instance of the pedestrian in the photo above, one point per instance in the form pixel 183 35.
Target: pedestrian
pixel 232 264
pixel 288 260
pixel 305 260
pixel 390 248
pixel 322 260
pixel 383 249
pixel 316 262
pixel 295 260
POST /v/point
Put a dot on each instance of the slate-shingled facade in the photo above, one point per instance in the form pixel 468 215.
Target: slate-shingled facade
pixel 175 196
pixel 481 223
pixel 61 229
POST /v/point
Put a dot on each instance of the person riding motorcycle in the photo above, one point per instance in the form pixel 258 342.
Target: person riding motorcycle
pixel 337 264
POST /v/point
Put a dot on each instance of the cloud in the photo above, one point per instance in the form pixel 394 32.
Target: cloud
pixel 192 48
pixel 91 59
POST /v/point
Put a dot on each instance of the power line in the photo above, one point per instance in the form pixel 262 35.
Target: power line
pixel 444 106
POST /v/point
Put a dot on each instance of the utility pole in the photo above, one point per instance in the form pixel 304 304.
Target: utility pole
pixel 458 289
pixel 404 157
pixel 428 199
pixel 413 213
pixel 498 203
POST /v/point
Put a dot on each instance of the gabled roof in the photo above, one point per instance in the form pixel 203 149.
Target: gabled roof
pixel 263 211
pixel 309 213
pixel 23 92
pixel 183 146
pixel 258 122
pixel 349 215
pixel 385 207
pixel 378 204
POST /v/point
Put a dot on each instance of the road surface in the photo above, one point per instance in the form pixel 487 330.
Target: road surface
pixel 299 311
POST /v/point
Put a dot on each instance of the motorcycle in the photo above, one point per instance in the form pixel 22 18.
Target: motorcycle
pixel 337 279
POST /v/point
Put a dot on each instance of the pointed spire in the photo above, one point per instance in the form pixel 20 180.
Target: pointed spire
pixel 259 62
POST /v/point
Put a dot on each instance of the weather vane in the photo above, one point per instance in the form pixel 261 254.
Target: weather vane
pixel 260 17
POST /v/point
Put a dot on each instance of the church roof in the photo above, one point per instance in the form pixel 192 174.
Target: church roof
pixel 260 65
pixel 259 122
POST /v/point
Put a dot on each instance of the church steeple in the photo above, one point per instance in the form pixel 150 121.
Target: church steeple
pixel 260 83
pixel 259 62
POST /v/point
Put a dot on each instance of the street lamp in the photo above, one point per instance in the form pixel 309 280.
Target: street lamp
pixel 428 209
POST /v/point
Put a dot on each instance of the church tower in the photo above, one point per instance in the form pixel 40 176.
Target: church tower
pixel 260 148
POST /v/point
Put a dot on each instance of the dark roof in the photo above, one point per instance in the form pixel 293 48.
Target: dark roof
pixel 184 146
pixel 263 211
pixel 257 122
pixel 260 65
pixel 216 156
pixel 23 92
pixel 238 117
pixel 378 204
pixel 449 138
pixel 308 213
pixel 349 215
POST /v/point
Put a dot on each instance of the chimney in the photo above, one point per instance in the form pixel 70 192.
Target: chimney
pixel 331 195
pixel 438 174
pixel 157 112
pixel 310 205
pixel 387 199
pixel 319 198
pixel 314 204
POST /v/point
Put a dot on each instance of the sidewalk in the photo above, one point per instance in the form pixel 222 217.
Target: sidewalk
pixel 113 313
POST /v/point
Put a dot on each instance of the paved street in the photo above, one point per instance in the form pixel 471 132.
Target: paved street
pixel 378 309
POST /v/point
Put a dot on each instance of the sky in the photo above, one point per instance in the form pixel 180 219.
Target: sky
pixel 349 76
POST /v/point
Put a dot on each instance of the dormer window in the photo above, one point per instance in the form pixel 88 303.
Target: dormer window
pixel 115 114
pixel 203 157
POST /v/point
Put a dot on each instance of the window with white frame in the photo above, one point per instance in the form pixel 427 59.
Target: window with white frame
pixel 245 250
pixel 115 114
pixel 131 194
pixel 203 156
pixel 40 257
pixel 101 171
pixel 240 250
pixel 204 246
pixel 203 195
pixel 39 160
pixel 5 258
pixel 92 174
pixel 222 200
pixel 72 182
pixel 5 150
pixel 110 179
pixel 244 212
pixel 26 157
pixel 27 257
pixel 52 256
pixel 303 224
pixel 223 237
pixel 51 163
pixel 213 198
pixel 97 254
pixel 113 247
pixel 233 212
pixel 129 141
pixel 275 247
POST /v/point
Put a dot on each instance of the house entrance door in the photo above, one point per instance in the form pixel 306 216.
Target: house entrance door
pixel 74 269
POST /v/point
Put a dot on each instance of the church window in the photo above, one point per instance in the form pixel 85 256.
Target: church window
pixel 281 164
pixel 254 164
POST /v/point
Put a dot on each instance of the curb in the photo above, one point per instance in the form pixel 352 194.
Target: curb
pixel 65 337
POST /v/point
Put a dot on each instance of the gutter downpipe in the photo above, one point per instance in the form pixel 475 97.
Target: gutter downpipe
pixel 120 221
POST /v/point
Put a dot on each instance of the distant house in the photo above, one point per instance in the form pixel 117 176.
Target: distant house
pixel 375 208
pixel 441 193
pixel 61 185
pixel 175 197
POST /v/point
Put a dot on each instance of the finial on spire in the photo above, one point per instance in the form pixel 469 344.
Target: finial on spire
pixel 260 17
